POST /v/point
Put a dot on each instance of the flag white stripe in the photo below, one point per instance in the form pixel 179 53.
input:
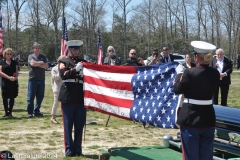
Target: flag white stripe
pixel 122 94
pixel 124 112
pixel 108 76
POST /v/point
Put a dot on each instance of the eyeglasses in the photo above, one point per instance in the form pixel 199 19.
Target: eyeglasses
pixel 133 53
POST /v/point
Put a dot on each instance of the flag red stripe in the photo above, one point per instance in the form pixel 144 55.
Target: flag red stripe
pixel 108 99
pixel 100 56
pixel 108 68
pixel 108 113
pixel 108 84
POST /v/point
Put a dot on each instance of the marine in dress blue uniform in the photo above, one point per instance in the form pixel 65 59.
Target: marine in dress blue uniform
pixel 72 100
pixel 197 116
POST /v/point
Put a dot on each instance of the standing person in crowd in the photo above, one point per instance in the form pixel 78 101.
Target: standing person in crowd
pixel 37 63
pixel 1 58
pixel 72 99
pixel 111 58
pixel 132 60
pixel 56 82
pixel 197 116
pixel 224 65
pixel 238 60
pixel 188 62
pixel 166 56
pixel 9 73
pixel 154 58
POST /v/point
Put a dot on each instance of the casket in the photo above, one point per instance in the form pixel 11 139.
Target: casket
pixel 227 133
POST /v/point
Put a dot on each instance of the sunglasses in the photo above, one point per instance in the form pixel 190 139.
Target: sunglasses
pixel 9 54
pixel 133 53
pixel 110 50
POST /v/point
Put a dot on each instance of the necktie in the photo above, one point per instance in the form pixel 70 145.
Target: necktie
pixel 166 59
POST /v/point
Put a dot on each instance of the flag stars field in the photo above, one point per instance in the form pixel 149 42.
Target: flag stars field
pixel 162 76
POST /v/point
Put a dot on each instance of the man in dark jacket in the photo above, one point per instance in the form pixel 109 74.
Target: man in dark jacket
pixel 165 55
pixel 224 65
pixel 72 100
pixel 133 60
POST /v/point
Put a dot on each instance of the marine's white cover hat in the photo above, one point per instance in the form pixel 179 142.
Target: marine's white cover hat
pixel 203 47
pixel 74 43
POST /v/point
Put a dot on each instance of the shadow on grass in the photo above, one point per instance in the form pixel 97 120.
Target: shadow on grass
pixel 19 110
pixel 20 118
pixel 93 123
pixel 85 157
pixel 91 156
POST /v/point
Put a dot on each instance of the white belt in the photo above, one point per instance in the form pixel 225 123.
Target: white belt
pixel 72 80
pixel 198 102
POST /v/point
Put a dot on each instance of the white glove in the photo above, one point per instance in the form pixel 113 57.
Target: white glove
pixel 79 66
pixel 180 69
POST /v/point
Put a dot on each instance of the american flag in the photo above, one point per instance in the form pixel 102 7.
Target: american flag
pixel 142 94
pixel 1 36
pixel 64 47
pixel 100 53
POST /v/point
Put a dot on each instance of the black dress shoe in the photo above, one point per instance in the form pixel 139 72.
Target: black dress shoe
pixel 69 155
pixel 38 115
pixel 79 154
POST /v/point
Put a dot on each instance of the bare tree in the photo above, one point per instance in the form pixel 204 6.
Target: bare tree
pixel 54 9
pixel 227 20
pixel 9 24
pixel 90 13
pixel 123 4
pixel 17 5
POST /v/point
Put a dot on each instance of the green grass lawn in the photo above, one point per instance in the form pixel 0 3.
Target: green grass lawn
pixel 37 136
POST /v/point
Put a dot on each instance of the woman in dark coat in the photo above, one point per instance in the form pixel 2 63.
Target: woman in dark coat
pixel 188 62
pixel 9 73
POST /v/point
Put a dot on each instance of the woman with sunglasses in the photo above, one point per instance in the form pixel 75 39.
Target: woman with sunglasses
pixel 9 73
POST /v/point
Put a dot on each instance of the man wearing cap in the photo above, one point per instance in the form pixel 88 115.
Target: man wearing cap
pixel 37 63
pixel 224 65
pixel 72 100
pixel 165 55
pixel 197 116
